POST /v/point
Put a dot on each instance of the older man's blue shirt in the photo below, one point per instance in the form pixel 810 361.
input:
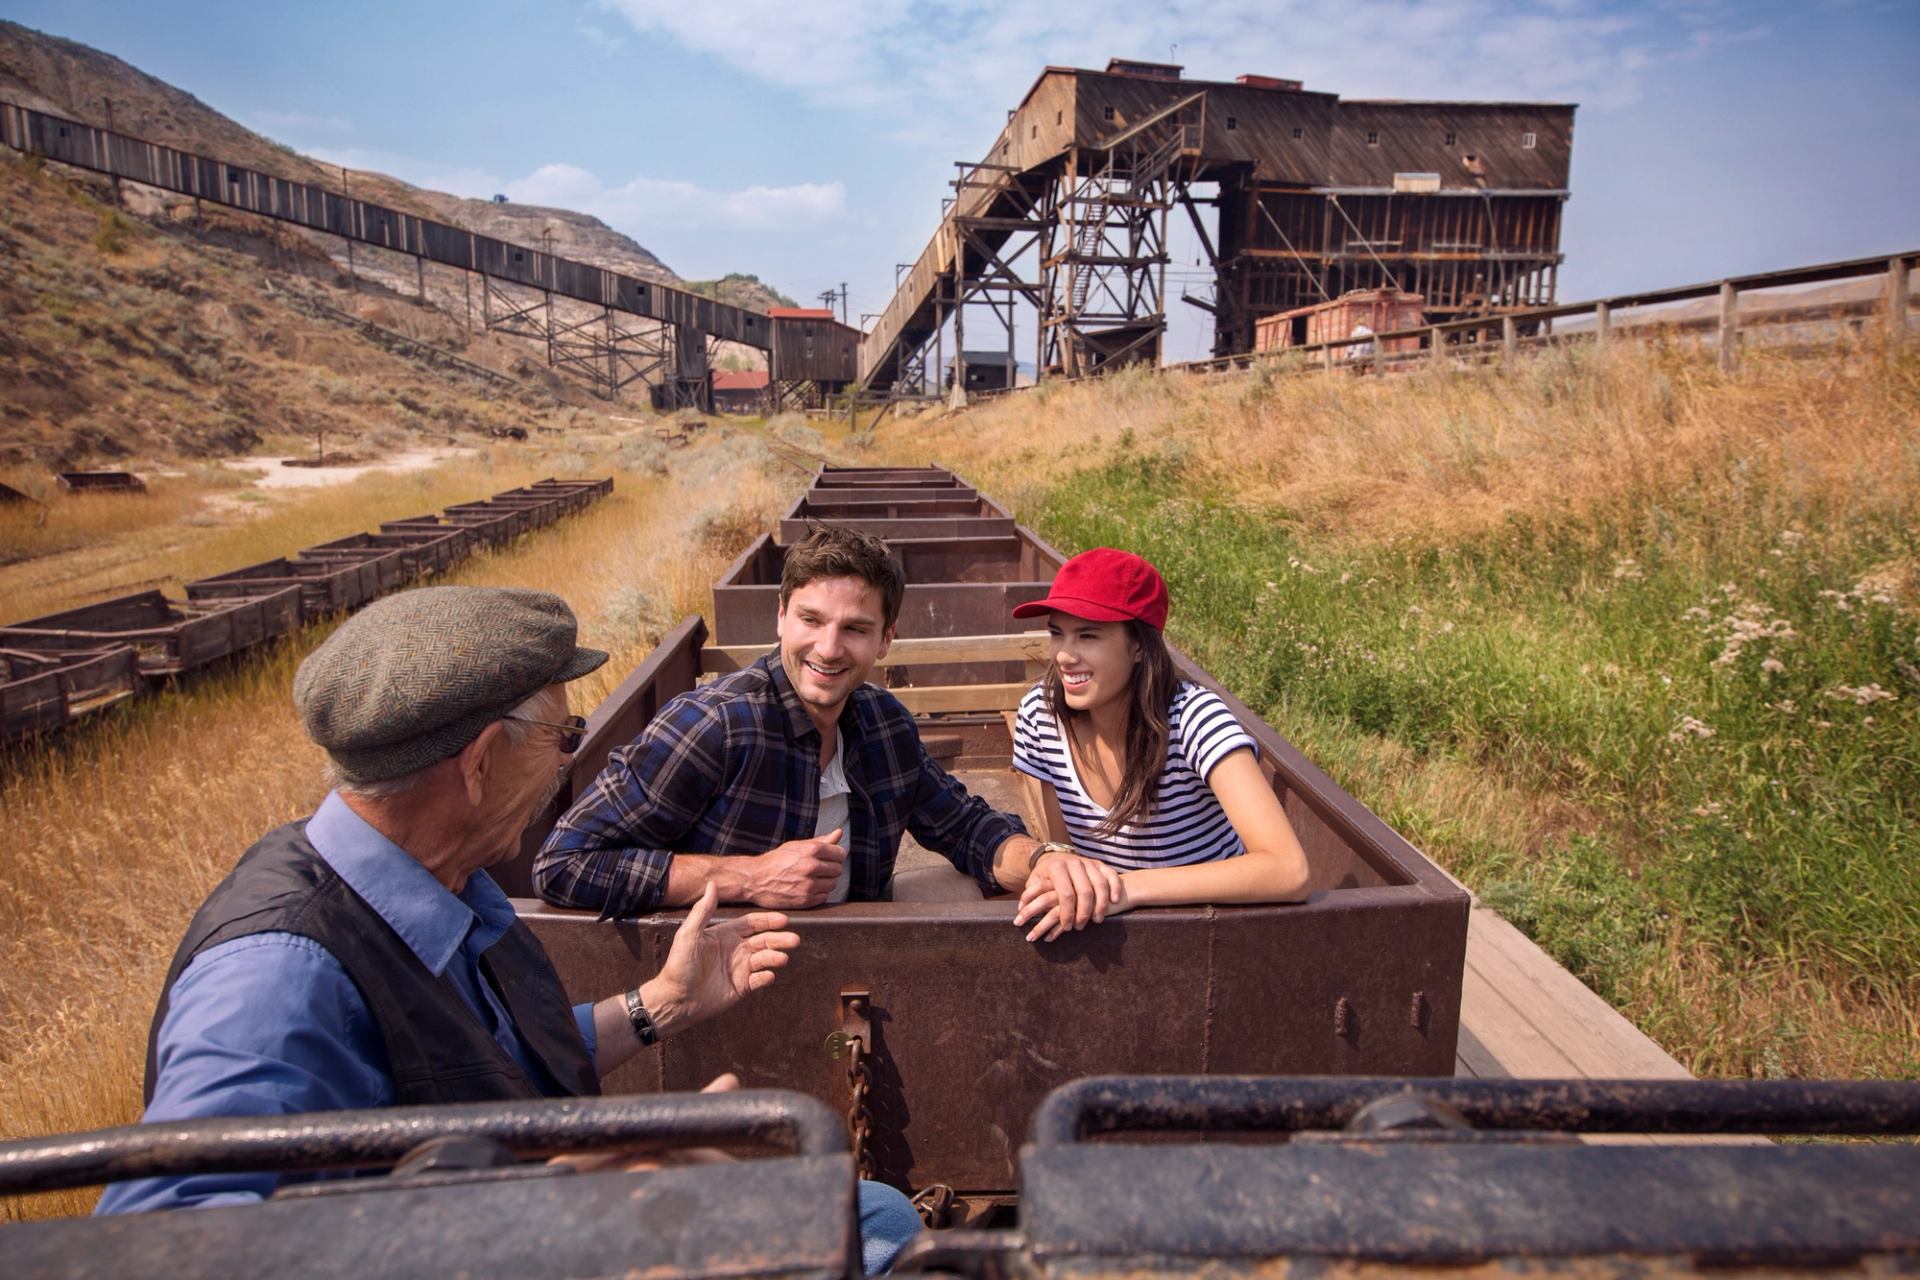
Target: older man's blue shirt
pixel 270 1024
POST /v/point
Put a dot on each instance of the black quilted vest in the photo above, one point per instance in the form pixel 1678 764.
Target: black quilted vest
pixel 437 1048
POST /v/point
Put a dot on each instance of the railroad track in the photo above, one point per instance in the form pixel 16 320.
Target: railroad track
pixel 805 461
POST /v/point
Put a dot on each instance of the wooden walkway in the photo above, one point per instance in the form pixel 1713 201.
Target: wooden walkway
pixel 1523 1016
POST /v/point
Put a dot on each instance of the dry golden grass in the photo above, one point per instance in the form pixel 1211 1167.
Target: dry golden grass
pixel 112 836
pixel 1445 454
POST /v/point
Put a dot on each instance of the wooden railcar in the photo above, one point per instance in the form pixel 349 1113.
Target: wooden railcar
pixel 42 692
pixel 325 586
pixel 421 552
pixel 101 482
pixel 169 636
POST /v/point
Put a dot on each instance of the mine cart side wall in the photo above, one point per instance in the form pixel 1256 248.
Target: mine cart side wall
pixel 324 587
pixel 745 611
pixel 835 476
pixel 973 1025
pixel 894 493
pixel 931 517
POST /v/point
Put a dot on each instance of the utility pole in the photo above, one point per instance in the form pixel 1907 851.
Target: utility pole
pixel 115 172
pixel 346 201
pixel 830 295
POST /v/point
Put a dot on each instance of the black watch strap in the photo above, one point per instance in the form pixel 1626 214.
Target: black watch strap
pixel 642 1021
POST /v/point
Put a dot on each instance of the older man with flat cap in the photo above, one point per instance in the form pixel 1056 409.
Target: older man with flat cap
pixel 362 957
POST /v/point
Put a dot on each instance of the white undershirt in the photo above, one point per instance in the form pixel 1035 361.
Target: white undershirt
pixel 833 813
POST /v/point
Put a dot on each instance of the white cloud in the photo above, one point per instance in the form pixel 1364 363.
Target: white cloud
pixel 651 204
pixel 924 62
pixel 600 38
pixel 431 174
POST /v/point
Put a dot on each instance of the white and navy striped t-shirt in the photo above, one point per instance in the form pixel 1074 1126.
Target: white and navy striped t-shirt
pixel 1187 823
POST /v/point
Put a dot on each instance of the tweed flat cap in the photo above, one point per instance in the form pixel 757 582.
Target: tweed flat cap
pixel 413 678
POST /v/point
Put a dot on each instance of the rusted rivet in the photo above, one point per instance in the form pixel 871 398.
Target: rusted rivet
pixel 1342 1016
pixel 858 1005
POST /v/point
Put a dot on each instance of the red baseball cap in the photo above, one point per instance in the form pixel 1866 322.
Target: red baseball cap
pixel 1105 585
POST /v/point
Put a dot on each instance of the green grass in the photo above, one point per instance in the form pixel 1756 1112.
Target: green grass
pixel 1701 691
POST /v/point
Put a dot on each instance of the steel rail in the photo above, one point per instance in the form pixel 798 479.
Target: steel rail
pixel 1282 1104
pixel 362 1139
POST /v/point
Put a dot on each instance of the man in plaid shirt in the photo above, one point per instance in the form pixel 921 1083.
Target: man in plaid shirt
pixel 788 784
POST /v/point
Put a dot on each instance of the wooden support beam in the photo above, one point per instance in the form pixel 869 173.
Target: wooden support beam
pixel 1602 325
pixel 1509 341
pixel 933 699
pixel 1729 325
pixel 1436 344
pixel 1898 298
pixel 1022 646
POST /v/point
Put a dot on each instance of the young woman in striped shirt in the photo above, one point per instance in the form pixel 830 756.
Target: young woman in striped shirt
pixel 1150 789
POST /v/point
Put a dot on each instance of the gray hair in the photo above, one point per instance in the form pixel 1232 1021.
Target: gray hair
pixel 538 707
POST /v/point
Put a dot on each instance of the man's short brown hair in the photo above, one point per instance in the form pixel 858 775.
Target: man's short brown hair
pixel 829 551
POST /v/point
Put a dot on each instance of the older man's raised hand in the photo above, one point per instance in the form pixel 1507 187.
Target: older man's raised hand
pixel 713 964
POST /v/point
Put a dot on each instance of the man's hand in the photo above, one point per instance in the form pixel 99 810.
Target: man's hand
pixel 799 873
pixel 712 964
pixel 645 1157
pixel 1065 892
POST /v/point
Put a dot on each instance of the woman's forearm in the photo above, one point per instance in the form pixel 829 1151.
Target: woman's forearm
pixel 1252 877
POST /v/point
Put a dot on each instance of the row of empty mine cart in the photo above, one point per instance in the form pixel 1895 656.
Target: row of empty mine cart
pixel 60 667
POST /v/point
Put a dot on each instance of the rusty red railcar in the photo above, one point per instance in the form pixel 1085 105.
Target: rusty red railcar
pixel 935 516
pixel 1379 310
pixel 967 1025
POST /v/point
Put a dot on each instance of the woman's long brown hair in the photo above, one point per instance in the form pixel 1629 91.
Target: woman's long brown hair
pixel 1149 726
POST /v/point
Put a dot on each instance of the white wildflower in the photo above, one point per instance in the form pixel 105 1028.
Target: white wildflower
pixel 1773 666
pixel 1690 728
pixel 1863 696
pixel 1792 537
pixel 1628 568
pixel 1706 810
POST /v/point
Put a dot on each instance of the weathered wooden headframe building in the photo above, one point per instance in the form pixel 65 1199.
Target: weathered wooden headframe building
pixel 1314 195
pixel 629 330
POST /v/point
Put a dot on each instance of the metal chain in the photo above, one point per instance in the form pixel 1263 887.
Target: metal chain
pixel 859 1119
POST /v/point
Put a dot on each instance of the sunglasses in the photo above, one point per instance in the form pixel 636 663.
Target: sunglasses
pixel 571 733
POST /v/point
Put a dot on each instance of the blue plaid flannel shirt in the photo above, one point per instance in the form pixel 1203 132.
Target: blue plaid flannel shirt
pixel 734 768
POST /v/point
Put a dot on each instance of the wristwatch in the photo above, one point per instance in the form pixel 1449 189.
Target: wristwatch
pixel 1044 848
pixel 642 1021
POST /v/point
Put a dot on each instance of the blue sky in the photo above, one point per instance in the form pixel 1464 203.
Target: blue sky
pixel 810 143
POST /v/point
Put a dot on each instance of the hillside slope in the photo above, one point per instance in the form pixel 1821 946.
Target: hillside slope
pixel 120 340
pixel 62 76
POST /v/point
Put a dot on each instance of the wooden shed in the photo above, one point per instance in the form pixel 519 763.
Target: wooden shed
pixel 740 390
